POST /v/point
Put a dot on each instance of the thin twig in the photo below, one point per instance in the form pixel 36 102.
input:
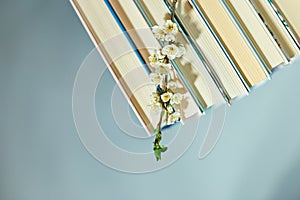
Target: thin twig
pixel 164 88
pixel 160 120
pixel 173 10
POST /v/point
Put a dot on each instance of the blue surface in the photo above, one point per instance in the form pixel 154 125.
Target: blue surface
pixel 41 156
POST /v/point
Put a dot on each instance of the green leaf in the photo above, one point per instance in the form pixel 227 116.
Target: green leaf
pixel 164 149
pixel 157 154
pixel 158 151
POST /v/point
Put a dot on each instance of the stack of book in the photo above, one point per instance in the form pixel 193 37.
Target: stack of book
pixel 232 46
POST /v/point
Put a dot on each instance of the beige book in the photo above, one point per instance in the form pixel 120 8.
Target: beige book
pixel 257 32
pixel 190 66
pixel 119 56
pixel 290 10
pixel 245 60
pixel 146 43
pixel 217 62
pixel 275 25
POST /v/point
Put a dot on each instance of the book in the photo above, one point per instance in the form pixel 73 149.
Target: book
pixel 218 63
pixel 288 13
pixel 256 32
pixel 146 43
pixel 123 62
pixel 248 64
pixel 191 67
pixel 275 25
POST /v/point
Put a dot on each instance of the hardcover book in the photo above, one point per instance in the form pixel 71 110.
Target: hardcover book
pixel 289 9
pixel 247 62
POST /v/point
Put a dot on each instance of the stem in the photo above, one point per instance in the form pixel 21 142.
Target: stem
pixel 173 10
pixel 164 88
pixel 160 120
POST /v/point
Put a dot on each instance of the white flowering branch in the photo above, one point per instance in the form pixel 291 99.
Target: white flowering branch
pixel 164 99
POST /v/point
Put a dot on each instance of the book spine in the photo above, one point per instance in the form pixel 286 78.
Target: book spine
pixel 201 14
pixel 284 22
pixel 134 48
pixel 231 14
pixel 276 28
pixel 141 115
pixel 205 62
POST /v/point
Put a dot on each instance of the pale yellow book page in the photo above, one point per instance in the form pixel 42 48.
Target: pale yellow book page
pixel 109 38
pixel 143 38
pixel 210 49
pixel 248 65
pixel 286 42
pixel 290 10
pixel 190 65
pixel 258 33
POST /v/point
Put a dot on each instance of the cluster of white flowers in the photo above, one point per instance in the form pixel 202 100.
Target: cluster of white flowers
pixel 166 32
pixel 165 97
pixel 167 35
pixel 167 100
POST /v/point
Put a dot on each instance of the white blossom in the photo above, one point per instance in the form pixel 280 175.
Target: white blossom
pixel 174 118
pixel 170 38
pixel 154 97
pixel 171 51
pixel 155 58
pixel 170 109
pixel 172 85
pixel 156 78
pixel 158 32
pixel 181 51
pixel 165 97
pixel 163 68
pixel 176 98
pixel 156 107
pixel 170 27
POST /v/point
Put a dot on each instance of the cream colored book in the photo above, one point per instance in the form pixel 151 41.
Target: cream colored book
pixel 275 25
pixel 257 32
pixel 213 54
pixel 121 60
pixel 146 43
pixel 246 61
pixel 190 66
pixel 290 11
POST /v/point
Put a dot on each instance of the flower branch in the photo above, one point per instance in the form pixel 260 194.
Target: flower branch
pixel 164 100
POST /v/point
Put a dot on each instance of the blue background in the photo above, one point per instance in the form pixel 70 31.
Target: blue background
pixel 41 157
